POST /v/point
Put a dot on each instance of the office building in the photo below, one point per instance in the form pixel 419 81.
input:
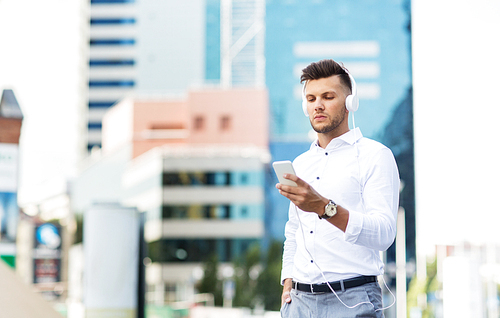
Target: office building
pixel 196 165
pixel 136 46
pixel 112 59
pixel 242 43
pixel 372 39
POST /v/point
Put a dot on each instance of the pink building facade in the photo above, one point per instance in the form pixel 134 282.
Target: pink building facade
pixel 203 117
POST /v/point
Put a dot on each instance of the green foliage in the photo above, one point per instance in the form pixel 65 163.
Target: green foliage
pixel 256 278
pixel 268 284
pixel 210 283
pixel 421 289
pixel 244 285
pixel 78 238
pixel 155 251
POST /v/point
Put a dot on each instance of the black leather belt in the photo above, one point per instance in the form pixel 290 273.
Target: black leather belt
pixel 337 286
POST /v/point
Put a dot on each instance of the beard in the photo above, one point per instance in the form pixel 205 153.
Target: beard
pixel 332 125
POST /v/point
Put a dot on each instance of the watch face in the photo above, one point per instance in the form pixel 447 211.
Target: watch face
pixel 330 209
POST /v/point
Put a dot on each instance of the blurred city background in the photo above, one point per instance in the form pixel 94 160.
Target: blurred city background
pixel 137 136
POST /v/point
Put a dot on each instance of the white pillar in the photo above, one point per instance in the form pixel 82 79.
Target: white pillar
pixel 401 265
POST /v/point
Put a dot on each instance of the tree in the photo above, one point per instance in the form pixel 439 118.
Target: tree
pixel 268 284
pixel 424 288
pixel 210 283
pixel 257 279
pixel 243 278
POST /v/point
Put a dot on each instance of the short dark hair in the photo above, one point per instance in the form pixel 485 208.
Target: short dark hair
pixel 325 69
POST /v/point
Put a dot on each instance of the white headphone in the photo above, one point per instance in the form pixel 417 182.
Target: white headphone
pixel 351 101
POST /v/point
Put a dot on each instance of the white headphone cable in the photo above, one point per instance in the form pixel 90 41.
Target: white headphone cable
pixel 363 204
pixel 328 283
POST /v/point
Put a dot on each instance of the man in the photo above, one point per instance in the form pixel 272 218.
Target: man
pixel 342 212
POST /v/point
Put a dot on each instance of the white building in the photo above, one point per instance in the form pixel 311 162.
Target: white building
pixel 197 167
pixel 147 46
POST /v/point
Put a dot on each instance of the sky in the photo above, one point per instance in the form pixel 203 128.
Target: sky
pixel 456 78
pixel 455 75
pixel 39 60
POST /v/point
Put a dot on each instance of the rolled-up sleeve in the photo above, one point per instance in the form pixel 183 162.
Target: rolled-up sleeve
pixel 290 245
pixel 375 226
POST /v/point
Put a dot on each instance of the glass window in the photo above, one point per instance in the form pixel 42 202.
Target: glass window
pixel 111 1
pixel 244 178
pixel 94 125
pixel 91 146
pixel 117 83
pixel 244 212
pixel 198 250
pixel 225 123
pixel 101 104
pixel 111 62
pixel 196 178
pixel 199 123
pixel 222 211
pixel 95 21
pixel 112 41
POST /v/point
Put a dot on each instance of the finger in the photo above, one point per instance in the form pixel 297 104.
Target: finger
pixel 291 177
pixel 283 189
pixel 295 199
pixel 301 187
pixel 286 300
pixel 286 297
pixel 297 180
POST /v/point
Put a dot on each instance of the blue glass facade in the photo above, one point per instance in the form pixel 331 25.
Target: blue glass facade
pixel 213 57
pixel 292 23
pixel 372 39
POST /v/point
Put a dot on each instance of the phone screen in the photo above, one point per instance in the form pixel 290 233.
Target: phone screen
pixel 282 167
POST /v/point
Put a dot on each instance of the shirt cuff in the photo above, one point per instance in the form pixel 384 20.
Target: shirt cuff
pixel 354 226
pixel 284 275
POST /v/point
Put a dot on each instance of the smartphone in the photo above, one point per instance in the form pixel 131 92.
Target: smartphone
pixel 282 167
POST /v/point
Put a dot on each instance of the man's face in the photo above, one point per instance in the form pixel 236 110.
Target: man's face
pixel 326 105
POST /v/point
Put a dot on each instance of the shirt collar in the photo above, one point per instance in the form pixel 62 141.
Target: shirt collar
pixel 349 137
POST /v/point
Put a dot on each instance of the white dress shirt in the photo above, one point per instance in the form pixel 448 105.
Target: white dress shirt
pixel 367 186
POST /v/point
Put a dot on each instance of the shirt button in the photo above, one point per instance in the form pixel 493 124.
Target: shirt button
pixel 311 232
pixel 317 178
pixel 312 261
pixel 326 153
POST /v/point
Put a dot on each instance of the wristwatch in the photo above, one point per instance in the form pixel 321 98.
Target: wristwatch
pixel 330 210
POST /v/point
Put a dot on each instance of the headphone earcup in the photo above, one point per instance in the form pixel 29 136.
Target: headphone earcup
pixel 352 103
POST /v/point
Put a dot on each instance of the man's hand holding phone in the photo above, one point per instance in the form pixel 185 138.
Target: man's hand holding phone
pixel 296 190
